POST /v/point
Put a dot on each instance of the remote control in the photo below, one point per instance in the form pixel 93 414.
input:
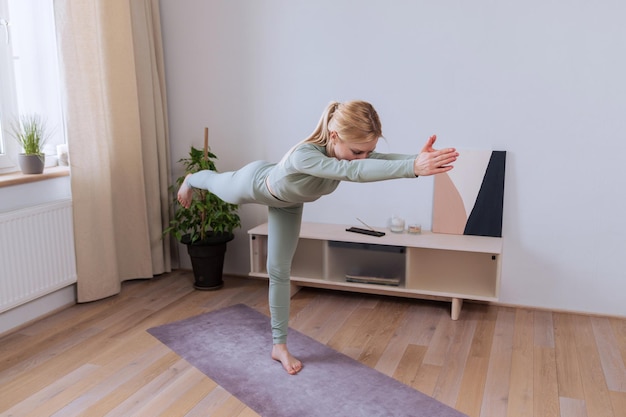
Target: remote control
pixel 366 231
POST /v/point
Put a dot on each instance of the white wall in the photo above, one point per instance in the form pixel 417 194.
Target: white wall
pixel 543 80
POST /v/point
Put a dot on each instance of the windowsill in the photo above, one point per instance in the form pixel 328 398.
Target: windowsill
pixel 16 178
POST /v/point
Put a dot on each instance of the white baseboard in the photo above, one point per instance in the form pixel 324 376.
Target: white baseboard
pixel 34 310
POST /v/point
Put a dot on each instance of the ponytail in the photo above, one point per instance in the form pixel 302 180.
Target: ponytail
pixel 321 134
pixel 354 121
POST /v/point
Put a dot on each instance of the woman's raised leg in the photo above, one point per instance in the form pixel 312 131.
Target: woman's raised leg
pixel 246 185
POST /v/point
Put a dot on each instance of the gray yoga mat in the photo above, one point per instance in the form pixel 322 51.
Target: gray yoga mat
pixel 232 347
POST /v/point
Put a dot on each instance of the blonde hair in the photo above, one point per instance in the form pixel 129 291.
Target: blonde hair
pixel 354 121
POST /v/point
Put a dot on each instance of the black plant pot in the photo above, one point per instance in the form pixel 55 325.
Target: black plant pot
pixel 207 260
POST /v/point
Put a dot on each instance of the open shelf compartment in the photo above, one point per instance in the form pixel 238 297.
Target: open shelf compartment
pixel 307 262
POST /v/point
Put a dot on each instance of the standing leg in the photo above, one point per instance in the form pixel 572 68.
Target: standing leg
pixel 283 233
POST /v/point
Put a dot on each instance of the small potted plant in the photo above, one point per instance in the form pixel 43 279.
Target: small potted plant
pixel 206 226
pixel 31 134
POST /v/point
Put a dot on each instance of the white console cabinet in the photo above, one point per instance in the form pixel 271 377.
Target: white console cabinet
pixel 427 265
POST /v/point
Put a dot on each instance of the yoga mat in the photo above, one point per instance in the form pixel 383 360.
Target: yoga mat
pixel 232 347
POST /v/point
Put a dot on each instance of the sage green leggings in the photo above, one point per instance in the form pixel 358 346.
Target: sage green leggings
pixel 247 185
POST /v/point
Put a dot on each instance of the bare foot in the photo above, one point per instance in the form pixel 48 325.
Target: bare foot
pixel 185 193
pixel 282 355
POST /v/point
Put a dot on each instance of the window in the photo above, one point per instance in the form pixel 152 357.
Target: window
pixel 29 74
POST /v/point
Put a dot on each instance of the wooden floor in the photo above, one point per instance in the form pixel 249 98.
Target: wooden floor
pixel 97 359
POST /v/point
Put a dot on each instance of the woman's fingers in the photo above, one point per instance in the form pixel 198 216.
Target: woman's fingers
pixel 435 162
pixel 428 146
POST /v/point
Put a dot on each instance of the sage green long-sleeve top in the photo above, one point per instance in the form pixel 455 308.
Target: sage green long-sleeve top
pixel 307 173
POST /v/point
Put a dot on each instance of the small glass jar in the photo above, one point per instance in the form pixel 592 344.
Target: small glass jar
pixel 415 228
pixel 396 224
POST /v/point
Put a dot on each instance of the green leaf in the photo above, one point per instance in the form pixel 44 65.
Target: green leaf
pixel 30 132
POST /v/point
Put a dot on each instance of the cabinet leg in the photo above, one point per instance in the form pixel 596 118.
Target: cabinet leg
pixel 294 289
pixel 457 303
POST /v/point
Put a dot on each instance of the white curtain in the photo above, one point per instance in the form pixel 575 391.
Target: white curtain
pixel 115 108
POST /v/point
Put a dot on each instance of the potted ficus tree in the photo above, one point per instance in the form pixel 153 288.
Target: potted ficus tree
pixel 31 134
pixel 206 226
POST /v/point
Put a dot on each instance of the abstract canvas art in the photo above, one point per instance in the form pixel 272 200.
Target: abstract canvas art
pixel 469 199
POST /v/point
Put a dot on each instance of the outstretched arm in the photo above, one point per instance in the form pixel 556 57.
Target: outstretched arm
pixel 431 161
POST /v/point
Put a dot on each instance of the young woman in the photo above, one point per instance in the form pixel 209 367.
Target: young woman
pixel 342 148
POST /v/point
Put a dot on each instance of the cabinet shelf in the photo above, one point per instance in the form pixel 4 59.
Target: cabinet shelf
pixel 428 265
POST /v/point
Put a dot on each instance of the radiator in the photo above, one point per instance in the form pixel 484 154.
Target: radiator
pixel 36 252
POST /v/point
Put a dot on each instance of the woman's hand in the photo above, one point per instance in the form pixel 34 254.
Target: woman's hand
pixel 431 161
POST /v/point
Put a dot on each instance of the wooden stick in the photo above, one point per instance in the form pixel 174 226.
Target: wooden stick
pixel 206 143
